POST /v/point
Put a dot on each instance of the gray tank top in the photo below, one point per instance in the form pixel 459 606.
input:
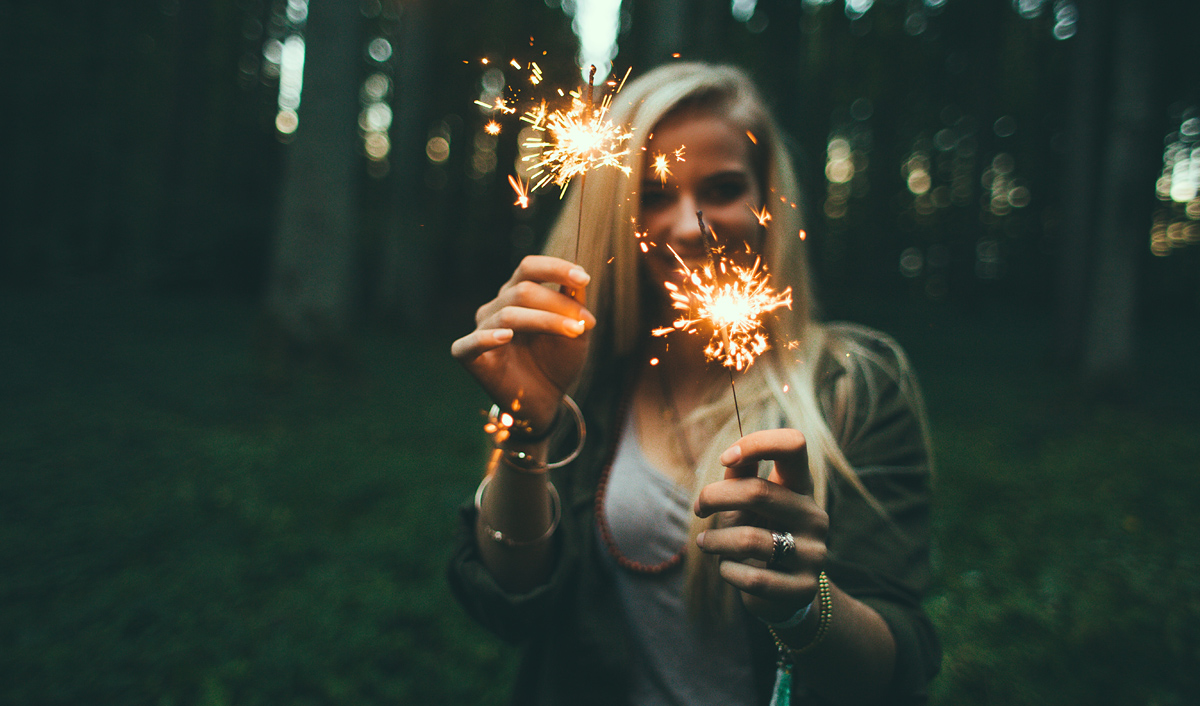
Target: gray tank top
pixel 675 661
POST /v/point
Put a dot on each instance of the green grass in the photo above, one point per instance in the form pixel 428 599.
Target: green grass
pixel 181 524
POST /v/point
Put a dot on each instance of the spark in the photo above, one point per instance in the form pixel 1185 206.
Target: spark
pixel 661 169
pixel 763 216
pixel 803 235
pixel 752 137
pixel 522 190
pixel 515 64
pixel 498 105
pixel 492 128
pixel 729 302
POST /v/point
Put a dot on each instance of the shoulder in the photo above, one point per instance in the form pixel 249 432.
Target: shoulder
pixel 870 395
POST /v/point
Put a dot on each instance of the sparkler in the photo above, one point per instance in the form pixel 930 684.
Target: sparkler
pixel 575 140
pixel 729 301
pixel 568 140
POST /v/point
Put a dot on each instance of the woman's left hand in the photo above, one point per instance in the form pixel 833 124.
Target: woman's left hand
pixel 752 508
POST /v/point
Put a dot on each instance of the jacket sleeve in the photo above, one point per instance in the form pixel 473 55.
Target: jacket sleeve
pixel 882 558
pixel 511 616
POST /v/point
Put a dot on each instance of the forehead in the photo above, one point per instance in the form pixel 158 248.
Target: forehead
pixel 707 140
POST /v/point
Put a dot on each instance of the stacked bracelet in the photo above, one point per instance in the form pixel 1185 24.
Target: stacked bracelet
pixel 498 536
pixel 525 462
pixel 825 596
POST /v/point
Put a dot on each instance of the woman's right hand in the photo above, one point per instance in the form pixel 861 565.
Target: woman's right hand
pixel 530 342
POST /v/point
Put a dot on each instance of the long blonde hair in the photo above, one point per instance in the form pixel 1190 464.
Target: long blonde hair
pixel 781 388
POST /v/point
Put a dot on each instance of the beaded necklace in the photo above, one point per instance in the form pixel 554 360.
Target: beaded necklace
pixel 610 543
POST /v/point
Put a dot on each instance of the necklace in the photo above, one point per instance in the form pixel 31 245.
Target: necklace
pixel 606 536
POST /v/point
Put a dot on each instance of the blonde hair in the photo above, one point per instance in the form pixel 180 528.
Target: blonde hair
pixel 782 386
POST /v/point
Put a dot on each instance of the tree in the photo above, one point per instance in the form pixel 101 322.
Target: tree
pixel 311 285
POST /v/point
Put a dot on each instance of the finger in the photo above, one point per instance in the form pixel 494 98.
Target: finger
pixel 757 544
pixel 531 295
pixel 549 270
pixel 792 589
pixel 786 447
pixel 772 501
pixel 523 320
pixel 478 342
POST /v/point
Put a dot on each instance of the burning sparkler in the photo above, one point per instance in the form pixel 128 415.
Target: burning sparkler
pixel 575 140
pixel 729 301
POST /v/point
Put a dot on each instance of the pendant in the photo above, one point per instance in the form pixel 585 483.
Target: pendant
pixel 782 694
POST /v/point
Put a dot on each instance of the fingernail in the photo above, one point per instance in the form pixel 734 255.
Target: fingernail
pixel 700 540
pixel 573 326
pixel 732 455
pixel 578 276
pixel 503 335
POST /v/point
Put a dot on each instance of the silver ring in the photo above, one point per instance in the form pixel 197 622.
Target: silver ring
pixel 783 544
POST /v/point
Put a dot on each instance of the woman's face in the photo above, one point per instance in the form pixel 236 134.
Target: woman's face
pixel 715 175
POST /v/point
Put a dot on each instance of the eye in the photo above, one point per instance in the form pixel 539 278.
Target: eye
pixel 653 198
pixel 727 188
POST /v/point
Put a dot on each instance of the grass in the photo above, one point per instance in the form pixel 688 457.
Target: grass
pixel 181 525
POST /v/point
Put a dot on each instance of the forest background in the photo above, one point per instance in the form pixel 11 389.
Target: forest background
pixel 232 441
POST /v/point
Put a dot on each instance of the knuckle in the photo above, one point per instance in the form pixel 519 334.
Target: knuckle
pixel 507 316
pixel 795 439
pixel 524 289
pixel 760 492
pixel 820 523
pixel 755 582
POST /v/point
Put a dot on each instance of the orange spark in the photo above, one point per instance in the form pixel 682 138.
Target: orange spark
pixel 752 137
pixel 761 214
pixel 522 191
pixel 492 128
pixel 661 170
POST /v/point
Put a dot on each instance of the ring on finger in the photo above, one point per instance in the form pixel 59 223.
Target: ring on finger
pixel 783 545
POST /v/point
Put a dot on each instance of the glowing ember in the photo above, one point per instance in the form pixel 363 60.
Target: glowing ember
pixel 492 128
pixel 761 214
pixel 661 169
pixel 729 301
pixel 522 190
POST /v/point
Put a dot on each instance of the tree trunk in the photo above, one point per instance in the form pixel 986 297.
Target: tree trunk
pixel 405 280
pixel 311 282
pixel 1080 178
pixel 1124 213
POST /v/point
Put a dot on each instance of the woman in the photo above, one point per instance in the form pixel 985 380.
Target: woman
pixel 661 566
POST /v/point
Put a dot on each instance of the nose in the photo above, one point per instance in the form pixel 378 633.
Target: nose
pixel 684 233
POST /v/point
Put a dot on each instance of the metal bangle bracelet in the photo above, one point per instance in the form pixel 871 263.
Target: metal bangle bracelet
pixel 520 458
pixel 498 536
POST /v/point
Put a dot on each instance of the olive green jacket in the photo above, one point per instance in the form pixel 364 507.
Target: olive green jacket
pixel 571 628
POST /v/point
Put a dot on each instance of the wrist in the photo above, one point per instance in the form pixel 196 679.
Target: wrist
pixel 794 621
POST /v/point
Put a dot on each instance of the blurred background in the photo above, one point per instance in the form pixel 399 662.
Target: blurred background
pixel 237 238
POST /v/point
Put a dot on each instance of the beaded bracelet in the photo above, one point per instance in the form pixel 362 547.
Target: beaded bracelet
pixel 498 536
pixel 825 594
